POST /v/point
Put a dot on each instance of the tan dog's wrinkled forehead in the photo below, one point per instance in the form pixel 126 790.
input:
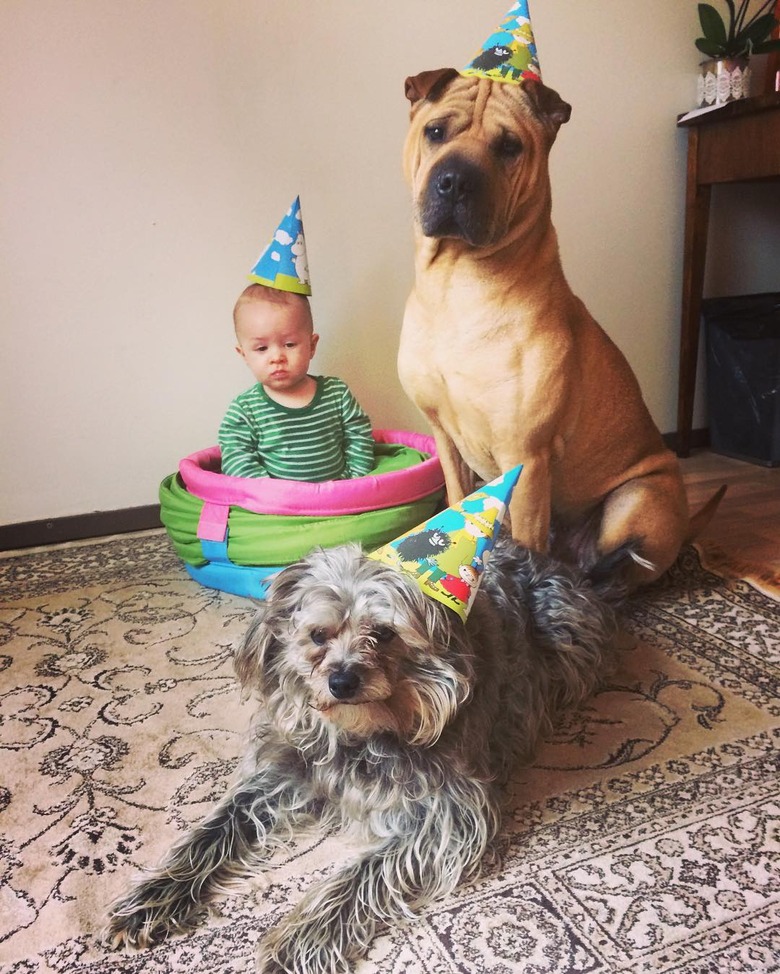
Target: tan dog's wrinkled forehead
pixel 475 149
pixel 542 101
pixel 485 105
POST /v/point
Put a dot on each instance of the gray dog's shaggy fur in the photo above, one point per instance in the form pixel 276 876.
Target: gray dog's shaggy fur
pixel 381 712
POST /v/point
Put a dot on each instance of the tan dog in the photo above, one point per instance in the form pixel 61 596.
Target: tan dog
pixel 506 363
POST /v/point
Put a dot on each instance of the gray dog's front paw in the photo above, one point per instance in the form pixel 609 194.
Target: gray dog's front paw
pixel 267 965
pixel 302 948
pixel 149 914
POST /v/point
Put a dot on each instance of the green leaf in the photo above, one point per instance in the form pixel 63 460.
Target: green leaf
pixel 757 32
pixel 712 25
pixel 767 47
pixel 708 48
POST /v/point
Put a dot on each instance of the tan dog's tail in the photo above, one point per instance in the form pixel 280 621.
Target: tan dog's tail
pixel 704 515
pixel 611 574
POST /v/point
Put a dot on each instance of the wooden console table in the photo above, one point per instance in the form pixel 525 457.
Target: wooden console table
pixel 739 142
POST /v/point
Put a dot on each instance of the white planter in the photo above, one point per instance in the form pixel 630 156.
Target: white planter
pixel 723 81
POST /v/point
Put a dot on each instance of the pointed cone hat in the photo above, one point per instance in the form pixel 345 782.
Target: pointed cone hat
pixel 283 264
pixel 509 54
pixel 446 555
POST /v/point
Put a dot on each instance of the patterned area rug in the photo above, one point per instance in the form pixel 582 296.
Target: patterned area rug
pixel 645 838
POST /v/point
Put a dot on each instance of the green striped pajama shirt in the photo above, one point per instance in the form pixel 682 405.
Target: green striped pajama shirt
pixel 330 439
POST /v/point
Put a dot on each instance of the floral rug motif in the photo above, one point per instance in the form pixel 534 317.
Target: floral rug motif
pixel 645 838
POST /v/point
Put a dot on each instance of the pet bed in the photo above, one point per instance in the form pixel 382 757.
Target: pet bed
pixel 234 533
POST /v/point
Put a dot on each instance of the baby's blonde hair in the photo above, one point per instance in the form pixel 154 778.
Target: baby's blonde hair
pixel 271 295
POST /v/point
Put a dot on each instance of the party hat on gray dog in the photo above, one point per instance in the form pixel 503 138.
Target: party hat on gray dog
pixel 446 555
pixel 283 264
pixel 509 53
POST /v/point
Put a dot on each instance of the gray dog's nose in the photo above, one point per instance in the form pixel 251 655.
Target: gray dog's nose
pixel 343 683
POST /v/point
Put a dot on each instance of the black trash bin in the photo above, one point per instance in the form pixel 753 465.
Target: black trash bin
pixel 743 376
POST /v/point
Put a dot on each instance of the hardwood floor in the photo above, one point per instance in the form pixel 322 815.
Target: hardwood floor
pixel 747 522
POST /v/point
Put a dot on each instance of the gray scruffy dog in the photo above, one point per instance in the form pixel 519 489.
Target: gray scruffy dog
pixel 382 713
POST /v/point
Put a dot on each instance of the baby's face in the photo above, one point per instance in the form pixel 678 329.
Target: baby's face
pixel 276 342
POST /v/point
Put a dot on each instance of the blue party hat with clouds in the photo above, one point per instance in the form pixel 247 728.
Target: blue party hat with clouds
pixel 446 555
pixel 509 53
pixel 283 264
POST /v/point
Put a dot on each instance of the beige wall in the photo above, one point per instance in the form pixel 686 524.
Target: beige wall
pixel 150 147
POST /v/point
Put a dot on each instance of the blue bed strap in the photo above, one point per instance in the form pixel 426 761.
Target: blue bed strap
pixel 247 580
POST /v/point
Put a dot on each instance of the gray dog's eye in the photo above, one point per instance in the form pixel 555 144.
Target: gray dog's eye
pixel 319 637
pixel 435 132
pixel 383 634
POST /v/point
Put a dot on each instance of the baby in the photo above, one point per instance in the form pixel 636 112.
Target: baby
pixel 290 424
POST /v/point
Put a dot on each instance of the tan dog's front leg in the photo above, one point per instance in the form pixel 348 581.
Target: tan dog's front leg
pixel 529 509
pixel 458 476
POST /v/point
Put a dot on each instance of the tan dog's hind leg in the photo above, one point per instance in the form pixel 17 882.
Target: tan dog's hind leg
pixel 652 510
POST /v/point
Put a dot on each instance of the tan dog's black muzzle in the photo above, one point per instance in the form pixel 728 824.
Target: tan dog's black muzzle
pixel 455 202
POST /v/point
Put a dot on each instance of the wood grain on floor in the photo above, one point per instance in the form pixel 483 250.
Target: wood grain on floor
pixel 747 522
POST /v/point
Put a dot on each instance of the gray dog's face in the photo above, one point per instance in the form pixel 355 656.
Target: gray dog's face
pixel 347 643
pixel 476 154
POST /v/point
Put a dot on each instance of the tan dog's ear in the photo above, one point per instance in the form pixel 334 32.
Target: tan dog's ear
pixel 428 84
pixel 547 104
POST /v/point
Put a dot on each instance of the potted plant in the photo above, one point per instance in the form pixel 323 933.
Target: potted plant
pixel 729 45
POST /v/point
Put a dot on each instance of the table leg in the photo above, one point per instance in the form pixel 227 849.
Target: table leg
pixel 697 214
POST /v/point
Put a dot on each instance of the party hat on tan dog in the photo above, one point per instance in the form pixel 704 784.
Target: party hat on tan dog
pixel 447 554
pixel 509 53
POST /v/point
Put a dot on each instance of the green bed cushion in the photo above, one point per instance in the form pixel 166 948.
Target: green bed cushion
pixel 269 539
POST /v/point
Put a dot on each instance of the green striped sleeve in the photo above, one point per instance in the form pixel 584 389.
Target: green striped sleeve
pixel 238 444
pixel 358 442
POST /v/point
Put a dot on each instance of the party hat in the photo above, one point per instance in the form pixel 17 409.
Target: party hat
pixel 446 555
pixel 509 54
pixel 283 264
